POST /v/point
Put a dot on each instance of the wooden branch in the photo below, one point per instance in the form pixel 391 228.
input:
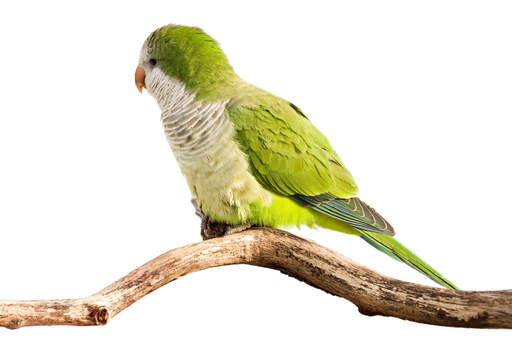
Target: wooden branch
pixel 305 260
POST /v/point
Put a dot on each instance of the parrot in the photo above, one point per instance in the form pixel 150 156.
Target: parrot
pixel 251 158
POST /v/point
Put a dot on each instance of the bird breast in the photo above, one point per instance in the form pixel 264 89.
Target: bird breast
pixel 201 137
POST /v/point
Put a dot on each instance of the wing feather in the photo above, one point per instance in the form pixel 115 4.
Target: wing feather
pixel 289 156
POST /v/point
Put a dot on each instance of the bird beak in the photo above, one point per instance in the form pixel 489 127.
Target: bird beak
pixel 140 78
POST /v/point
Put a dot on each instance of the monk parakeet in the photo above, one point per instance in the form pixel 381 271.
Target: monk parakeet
pixel 250 157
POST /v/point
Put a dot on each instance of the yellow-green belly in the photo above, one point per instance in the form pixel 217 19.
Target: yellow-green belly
pixel 225 190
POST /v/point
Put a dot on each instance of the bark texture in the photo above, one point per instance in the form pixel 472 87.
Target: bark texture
pixel 305 260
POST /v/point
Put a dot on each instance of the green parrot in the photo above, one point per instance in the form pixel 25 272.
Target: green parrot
pixel 250 157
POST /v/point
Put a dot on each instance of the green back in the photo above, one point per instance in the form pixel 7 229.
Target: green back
pixel 289 156
pixel 287 153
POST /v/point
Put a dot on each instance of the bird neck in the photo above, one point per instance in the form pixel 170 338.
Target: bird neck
pixel 193 126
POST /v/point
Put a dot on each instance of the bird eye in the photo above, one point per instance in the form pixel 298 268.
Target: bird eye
pixel 152 61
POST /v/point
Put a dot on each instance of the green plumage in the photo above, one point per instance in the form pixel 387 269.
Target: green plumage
pixel 288 154
pixel 292 162
pixel 290 157
pixel 393 248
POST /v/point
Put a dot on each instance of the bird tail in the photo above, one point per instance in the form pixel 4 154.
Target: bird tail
pixel 394 249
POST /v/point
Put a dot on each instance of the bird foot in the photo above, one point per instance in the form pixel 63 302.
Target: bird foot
pixel 212 229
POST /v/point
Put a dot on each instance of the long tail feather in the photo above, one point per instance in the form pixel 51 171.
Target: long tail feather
pixel 394 249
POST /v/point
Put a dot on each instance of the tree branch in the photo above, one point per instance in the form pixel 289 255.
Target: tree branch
pixel 305 260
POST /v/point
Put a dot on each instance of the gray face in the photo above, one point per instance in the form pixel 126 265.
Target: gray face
pixel 153 74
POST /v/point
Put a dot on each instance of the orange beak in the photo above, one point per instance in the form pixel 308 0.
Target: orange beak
pixel 140 78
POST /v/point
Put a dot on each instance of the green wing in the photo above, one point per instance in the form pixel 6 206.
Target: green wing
pixel 353 211
pixel 290 157
pixel 287 153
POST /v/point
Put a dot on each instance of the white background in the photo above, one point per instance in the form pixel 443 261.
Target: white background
pixel 415 96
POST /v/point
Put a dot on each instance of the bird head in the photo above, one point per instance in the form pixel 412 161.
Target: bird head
pixel 183 53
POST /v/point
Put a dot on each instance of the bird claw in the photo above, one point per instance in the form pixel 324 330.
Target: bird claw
pixel 239 228
pixel 211 229
pixel 198 212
